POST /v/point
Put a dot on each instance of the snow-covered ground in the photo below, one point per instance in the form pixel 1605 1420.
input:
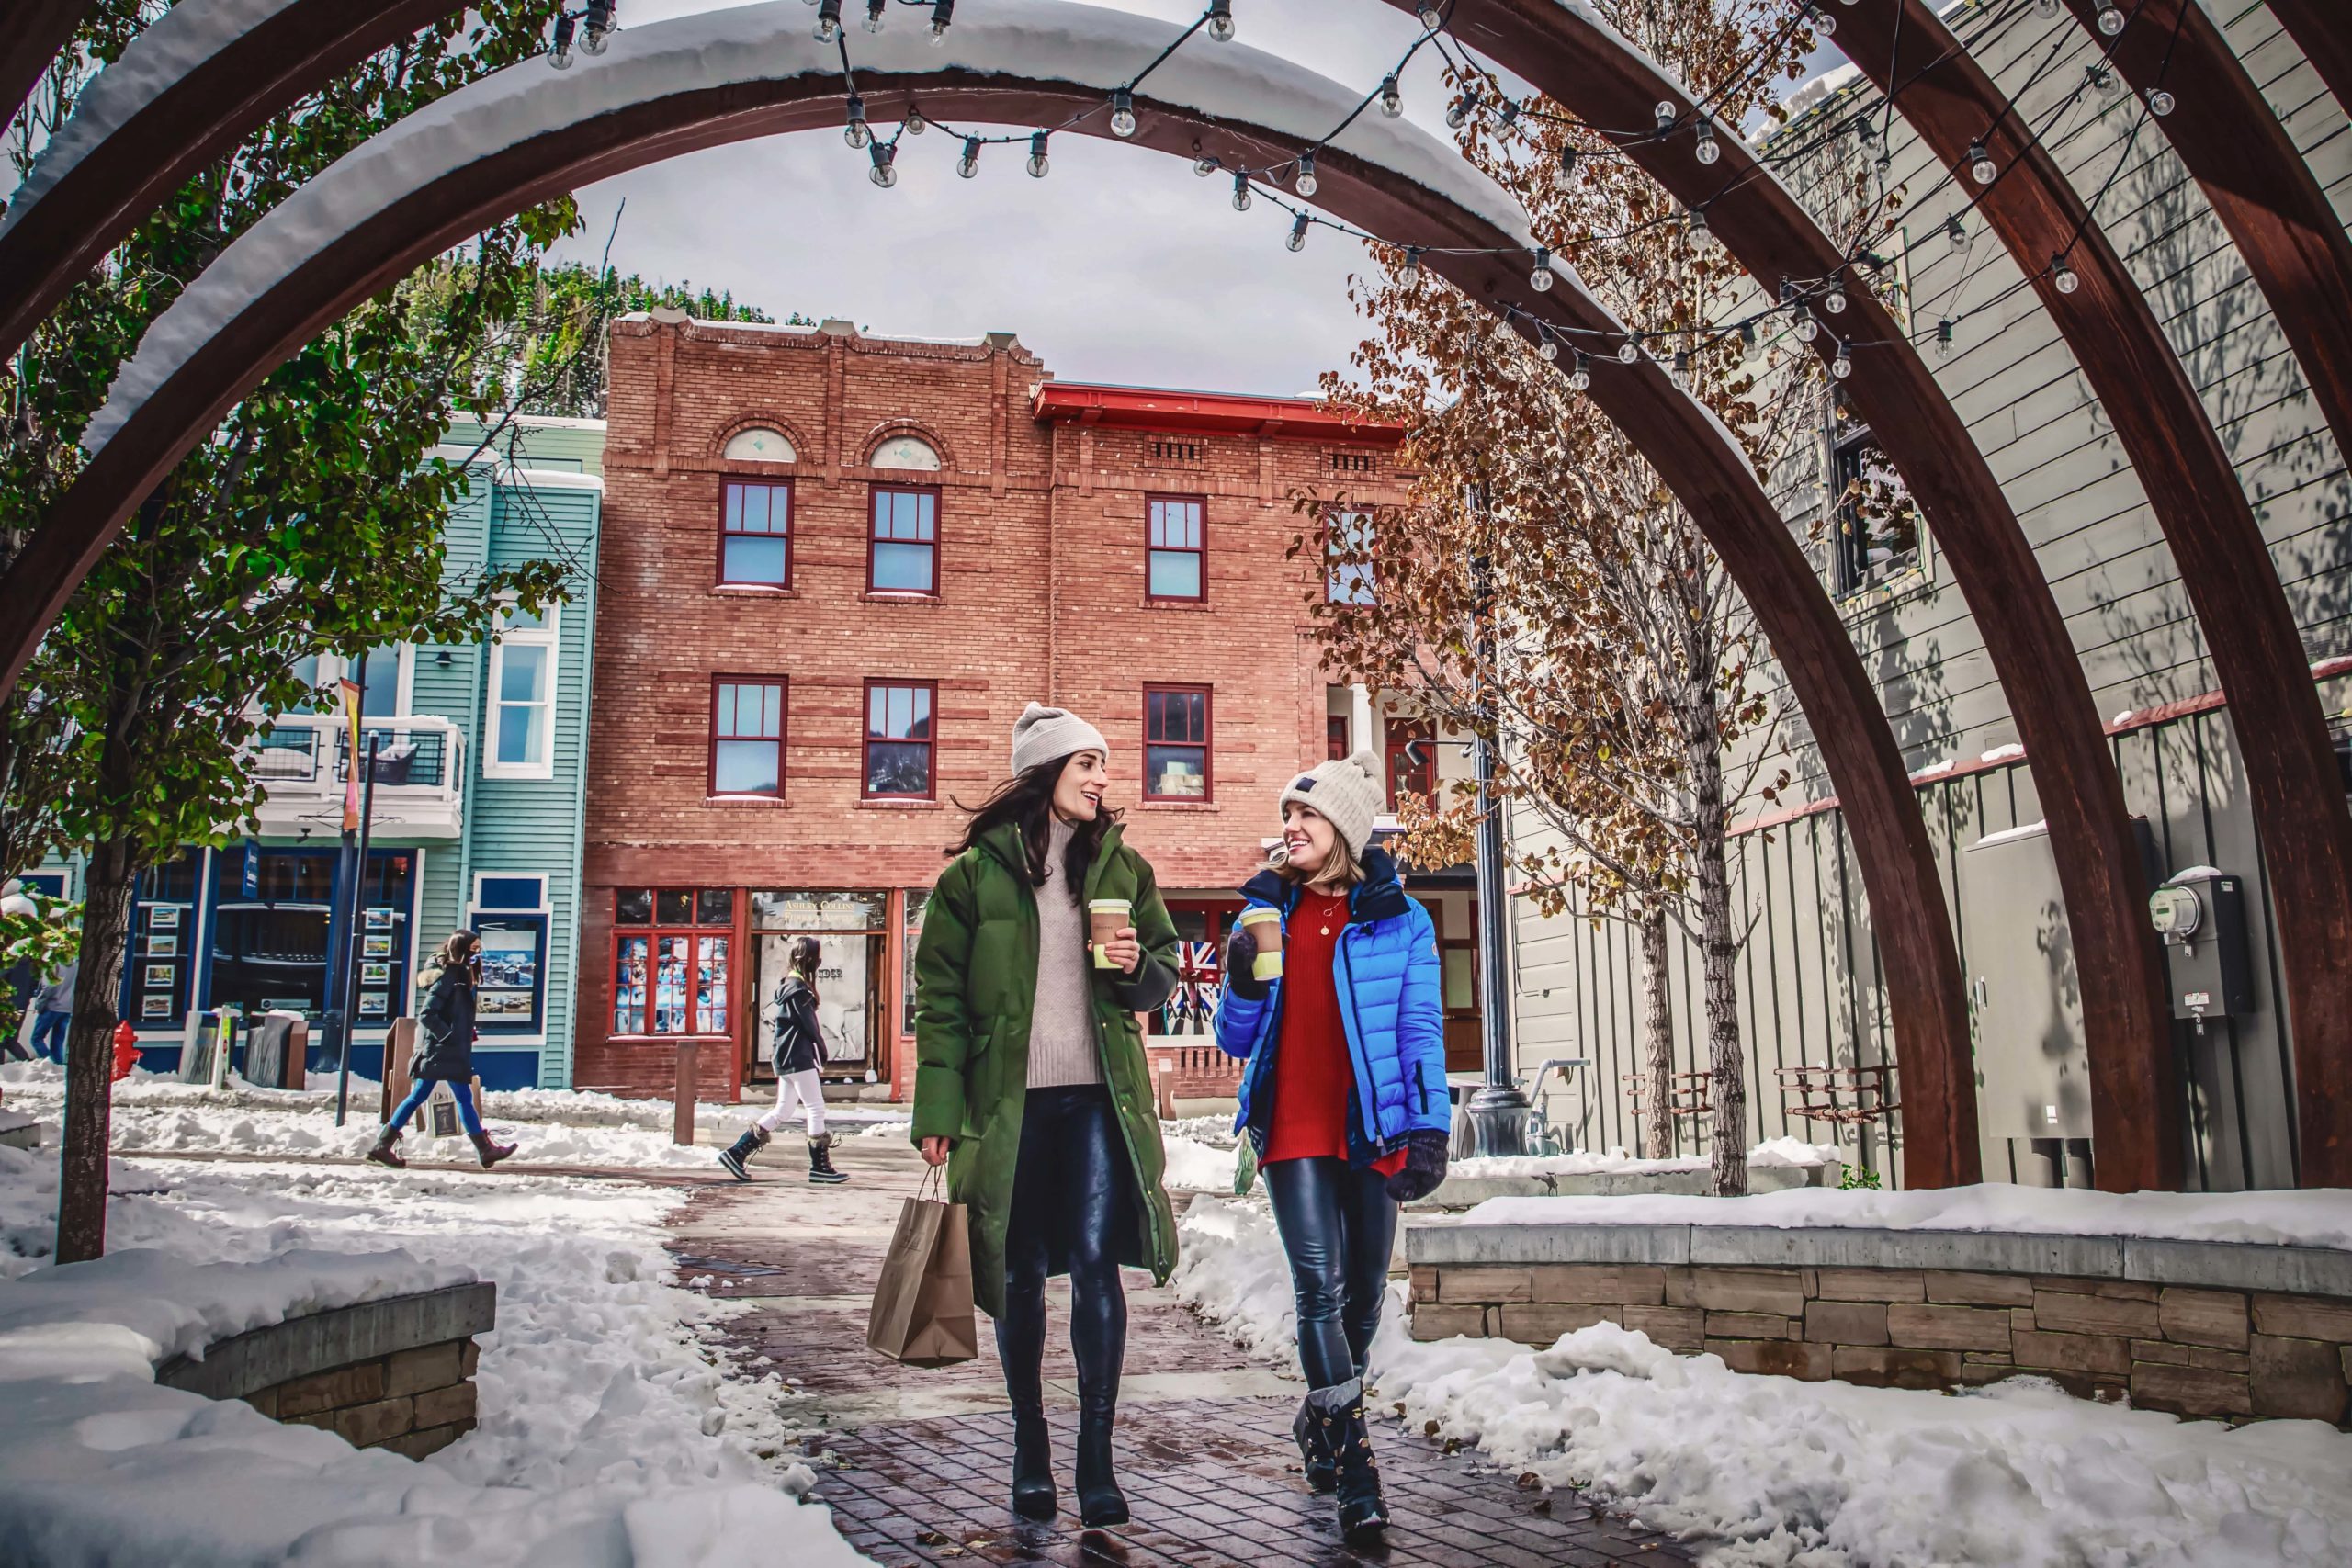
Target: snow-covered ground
pixel 1771 1473
pixel 158 1114
pixel 2310 1217
pixel 608 1435
pixel 1617 1162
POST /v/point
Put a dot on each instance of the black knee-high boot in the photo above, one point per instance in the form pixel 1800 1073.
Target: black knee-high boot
pixel 1020 1347
pixel 1363 1513
pixel 1098 1335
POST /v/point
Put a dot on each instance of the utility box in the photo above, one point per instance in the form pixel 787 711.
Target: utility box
pixel 2200 914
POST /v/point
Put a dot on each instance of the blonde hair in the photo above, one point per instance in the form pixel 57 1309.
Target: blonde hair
pixel 1340 872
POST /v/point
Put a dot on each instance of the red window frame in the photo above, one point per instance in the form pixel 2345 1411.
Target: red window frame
pixel 1402 733
pixel 1335 737
pixel 930 742
pixel 1205 745
pixel 1154 504
pixel 875 493
pixel 782 729
pixel 727 532
pixel 700 936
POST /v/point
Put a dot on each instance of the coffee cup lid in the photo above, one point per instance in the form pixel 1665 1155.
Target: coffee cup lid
pixel 1112 904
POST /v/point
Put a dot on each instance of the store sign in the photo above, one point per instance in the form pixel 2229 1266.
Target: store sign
pixel 811 909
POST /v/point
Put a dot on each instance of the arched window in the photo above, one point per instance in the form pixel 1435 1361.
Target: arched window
pixel 907 452
pixel 760 444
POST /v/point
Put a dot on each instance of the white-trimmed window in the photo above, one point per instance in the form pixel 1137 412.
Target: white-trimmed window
pixel 521 743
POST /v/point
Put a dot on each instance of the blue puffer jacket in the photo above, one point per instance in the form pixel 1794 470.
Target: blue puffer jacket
pixel 1386 967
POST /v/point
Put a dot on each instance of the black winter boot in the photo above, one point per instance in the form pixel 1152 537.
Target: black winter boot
pixel 487 1152
pixel 820 1162
pixel 1100 1504
pixel 1033 1466
pixel 735 1155
pixel 386 1148
pixel 1315 1454
pixel 1363 1516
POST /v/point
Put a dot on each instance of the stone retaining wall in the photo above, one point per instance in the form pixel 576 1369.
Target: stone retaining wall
pixel 395 1374
pixel 2194 1348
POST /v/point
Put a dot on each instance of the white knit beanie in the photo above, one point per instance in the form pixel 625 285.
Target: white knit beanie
pixel 1044 735
pixel 1345 791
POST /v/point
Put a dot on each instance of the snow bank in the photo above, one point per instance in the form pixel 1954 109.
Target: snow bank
pixel 1770 1472
pixel 1778 1152
pixel 608 1437
pixel 2310 1217
pixel 1195 1167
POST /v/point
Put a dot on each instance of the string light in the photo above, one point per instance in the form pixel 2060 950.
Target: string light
pixel 2063 275
pixel 914 124
pixel 886 163
pixel 1540 279
pixel 970 164
pixel 1682 366
pixel 1628 351
pixel 560 56
pixel 1698 232
pixel 856 133
pixel 1666 114
pixel 829 20
pixel 1432 18
pixel 1037 163
pixel 1747 336
pixel 2045 10
pixel 1221 20
pixel 2160 102
pixel 1843 365
pixel 1297 240
pixel 1835 300
pixel 1708 149
pixel 1547 348
pixel 599 26
pixel 1306 184
pixel 1981 167
pixel 1579 378
pixel 1413 266
pixel 1203 165
pixel 1568 164
pixel 1507 112
pixel 1392 101
pixel 1801 322
pixel 1823 22
pixel 2110 19
pixel 1943 339
pixel 1122 112
pixel 2104 79
pixel 1462 108
pixel 1865 132
pixel 1240 190
pixel 942 13
pixel 874 9
pixel 1956 232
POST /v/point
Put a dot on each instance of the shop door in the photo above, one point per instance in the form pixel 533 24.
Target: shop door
pixel 849 1002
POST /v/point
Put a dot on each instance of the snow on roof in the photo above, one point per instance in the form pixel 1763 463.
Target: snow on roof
pixel 1087 45
pixel 166 50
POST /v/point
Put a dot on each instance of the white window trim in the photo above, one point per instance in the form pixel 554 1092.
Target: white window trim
pixel 550 637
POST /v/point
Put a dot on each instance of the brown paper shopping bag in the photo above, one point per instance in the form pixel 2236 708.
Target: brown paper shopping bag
pixel 923 1302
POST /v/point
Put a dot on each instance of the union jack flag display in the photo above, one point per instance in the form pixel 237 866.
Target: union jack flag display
pixel 1200 975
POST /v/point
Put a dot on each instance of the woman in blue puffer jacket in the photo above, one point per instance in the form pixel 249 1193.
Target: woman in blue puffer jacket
pixel 1344 1097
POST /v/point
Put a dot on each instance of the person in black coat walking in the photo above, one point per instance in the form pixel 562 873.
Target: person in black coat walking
pixel 798 1050
pixel 445 1025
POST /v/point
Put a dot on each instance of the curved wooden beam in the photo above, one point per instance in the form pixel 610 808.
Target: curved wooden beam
pixel 59 229
pixel 2258 184
pixel 1705 469
pixel 2194 493
pixel 30 36
pixel 2324 33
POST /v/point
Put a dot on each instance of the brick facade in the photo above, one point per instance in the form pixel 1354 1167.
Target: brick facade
pixel 1041 522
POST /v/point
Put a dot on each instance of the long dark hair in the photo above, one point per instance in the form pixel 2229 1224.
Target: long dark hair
pixel 800 961
pixel 1027 798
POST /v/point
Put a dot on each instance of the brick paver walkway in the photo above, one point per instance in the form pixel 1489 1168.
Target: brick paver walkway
pixel 921 1459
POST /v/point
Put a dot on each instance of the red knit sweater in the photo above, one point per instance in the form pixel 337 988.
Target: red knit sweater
pixel 1313 1079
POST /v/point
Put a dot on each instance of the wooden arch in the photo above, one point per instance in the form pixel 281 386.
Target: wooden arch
pixel 2225 566
pixel 1704 469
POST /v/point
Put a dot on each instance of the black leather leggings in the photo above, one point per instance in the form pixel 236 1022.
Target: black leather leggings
pixel 1071 1196
pixel 1338 1228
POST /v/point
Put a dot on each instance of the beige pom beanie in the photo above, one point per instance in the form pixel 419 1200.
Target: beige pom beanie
pixel 1045 735
pixel 1347 791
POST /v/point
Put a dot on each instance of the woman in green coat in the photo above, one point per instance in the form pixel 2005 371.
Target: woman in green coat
pixel 1031 1084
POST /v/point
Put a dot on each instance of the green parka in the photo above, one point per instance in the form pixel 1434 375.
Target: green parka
pixel 976 979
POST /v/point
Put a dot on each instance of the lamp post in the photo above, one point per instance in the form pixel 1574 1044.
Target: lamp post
pixel 347 961
pixel 1497 1111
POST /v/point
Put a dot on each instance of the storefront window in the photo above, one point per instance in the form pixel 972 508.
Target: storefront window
pixel 270 946
pixel 671 981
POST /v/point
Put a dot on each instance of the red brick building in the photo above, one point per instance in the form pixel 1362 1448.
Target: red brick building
pixel 834 569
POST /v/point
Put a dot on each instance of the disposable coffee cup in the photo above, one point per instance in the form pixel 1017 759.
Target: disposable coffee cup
pixel 1105 919
pixel 1265 928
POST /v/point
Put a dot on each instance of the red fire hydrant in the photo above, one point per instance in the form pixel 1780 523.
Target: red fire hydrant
pixel 126 1050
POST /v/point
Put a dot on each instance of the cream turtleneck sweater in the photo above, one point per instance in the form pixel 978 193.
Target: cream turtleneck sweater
pixel 1061 1015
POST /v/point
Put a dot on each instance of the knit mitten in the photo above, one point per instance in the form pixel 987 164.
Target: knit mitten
pixel 1425 1152
pixel 1241 956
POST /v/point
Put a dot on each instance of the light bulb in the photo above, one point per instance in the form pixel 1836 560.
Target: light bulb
pixel 1306 184
pixel 1567 165
pixel 1431 17
pixel 1579 378
pixel 885 172
pixel 2161 102
pixel 1037 164
pixel 1865 132
pixel 1221 20
pixel 600 25
pixel 1240 190
pixel 1835 300
pixel 970 164
pixel 1981 167
pixel 1541 279
pixel 914 124
pixel 2045 10
pixel 1506 112
pixel 1297 240
pixel 1956 232
pixel 1823 22
pixel 1204 166
pixel 1627 352
pixel 1943 340
pixel 874 9
pixel 2110 19
pixel 1665 114
pixel 942 14
pixel 1392 102
pixel 2063 275
pixel 1462 108
pixel 1806 327
pixel 1412 268
pixel 1122 112
pixel 1747 334
pixel 560 56
pixel 855 132
pixel 2107 83
pixel 1548 349
pixel 829 20
pixel 1843 365
pixel 1708 150
pixel 1682 366
pixel 1698 232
